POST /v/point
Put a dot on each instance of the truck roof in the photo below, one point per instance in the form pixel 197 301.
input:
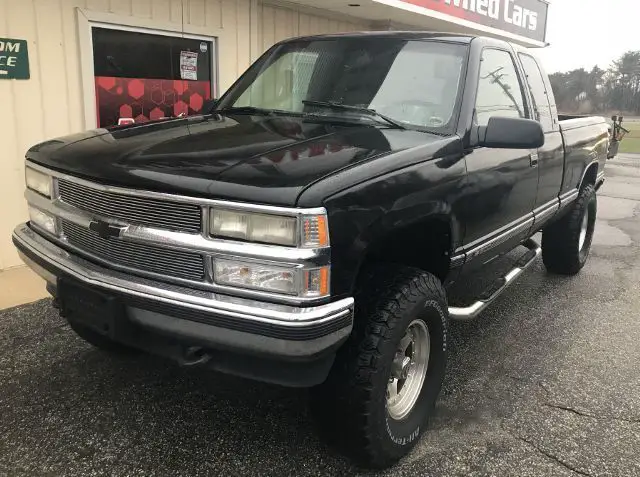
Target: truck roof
pixel 413 35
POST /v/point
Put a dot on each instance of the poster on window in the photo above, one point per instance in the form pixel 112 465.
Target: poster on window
pixel 189 65
pixel 143 77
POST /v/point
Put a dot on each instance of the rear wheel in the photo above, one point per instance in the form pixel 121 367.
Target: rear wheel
pixel 566 243
pixel 384 384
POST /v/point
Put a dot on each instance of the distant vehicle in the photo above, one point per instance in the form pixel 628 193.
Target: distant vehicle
pixel 308 229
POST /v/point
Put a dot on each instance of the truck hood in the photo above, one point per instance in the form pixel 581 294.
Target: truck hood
pixel 241 157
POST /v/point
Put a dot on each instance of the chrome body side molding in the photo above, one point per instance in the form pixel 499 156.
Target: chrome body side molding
pixel 568 197
pixel 545 212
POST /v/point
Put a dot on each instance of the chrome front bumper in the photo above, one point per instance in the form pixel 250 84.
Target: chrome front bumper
pixel 222 320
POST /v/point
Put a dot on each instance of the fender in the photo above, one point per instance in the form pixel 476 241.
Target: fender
pixel 411 218
pixel 420 231
pixel 586 150
pixel 367 214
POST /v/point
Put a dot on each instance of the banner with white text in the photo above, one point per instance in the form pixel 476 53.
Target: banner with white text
pixel 527 18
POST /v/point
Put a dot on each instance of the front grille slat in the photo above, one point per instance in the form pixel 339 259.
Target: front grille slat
pixel 161 265
pixel 164 214
pixel 177 263
pixel 135 208
pixel 98 202
pixel 140 261
pixel 131 256
pixel 163 220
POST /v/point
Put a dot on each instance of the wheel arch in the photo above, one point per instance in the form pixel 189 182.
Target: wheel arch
pixel 590 175
pixel 427 243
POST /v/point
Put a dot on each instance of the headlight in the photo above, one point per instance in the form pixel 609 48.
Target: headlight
pixel 303 231
pixel 38 181
pixel 290 281
pixel 43 220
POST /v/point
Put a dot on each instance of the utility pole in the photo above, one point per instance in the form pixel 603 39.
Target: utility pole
pixel 497 79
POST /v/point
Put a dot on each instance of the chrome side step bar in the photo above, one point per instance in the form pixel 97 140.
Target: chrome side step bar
pixel 472 311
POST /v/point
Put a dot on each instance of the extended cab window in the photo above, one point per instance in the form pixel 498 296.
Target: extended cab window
pixel 499 89
pixel 538 92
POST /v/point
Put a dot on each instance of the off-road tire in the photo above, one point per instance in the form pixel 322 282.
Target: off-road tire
pixel 101 342
pixel 561 253
pixel 350 407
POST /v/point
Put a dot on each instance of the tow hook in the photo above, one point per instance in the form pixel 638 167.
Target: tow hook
pixel 194 355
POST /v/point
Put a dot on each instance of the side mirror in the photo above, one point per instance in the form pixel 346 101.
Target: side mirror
pixel 209 105
pixel 511 133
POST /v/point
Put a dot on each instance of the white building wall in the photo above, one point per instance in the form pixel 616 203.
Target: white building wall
pixel 57 99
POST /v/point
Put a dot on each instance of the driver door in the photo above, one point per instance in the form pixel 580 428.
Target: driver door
pixel 501 183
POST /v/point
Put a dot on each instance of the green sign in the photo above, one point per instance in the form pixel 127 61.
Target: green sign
pixel 14 59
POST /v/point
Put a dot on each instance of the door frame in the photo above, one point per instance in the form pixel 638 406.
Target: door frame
pixel 88 19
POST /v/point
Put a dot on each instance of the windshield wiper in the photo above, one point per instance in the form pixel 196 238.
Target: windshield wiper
pixel 349 107
pixel 249 110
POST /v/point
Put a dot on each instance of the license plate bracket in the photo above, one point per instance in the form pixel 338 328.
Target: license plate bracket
pixel 90 308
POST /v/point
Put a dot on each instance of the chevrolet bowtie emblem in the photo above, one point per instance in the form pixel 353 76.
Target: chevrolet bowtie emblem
pixel 106 230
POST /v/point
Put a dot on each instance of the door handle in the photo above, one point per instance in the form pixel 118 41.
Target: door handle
pixel 533 159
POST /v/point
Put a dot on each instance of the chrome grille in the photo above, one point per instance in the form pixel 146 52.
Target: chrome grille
pixel 176 263
pixel 132 210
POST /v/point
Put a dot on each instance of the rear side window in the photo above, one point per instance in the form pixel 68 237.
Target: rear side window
pixel 499 89
pixel 538 92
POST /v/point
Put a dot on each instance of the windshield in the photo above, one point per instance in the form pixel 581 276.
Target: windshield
pixel 415 83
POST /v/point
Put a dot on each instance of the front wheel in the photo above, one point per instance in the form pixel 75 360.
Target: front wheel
pixel 566 243
pixel 384 384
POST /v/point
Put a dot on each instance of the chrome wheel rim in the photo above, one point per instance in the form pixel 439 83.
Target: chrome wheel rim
pixel 408 370
pixel 583 230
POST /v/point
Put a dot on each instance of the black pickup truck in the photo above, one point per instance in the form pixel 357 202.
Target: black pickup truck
pixel 308 230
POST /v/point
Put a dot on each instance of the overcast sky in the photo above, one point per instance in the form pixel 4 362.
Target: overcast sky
pixel 584 33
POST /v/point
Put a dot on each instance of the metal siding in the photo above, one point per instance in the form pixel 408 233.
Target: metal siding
pixel 161 10
pixel 142 8
pixel 213 14
pixel 72 65
pixel 176 11
pixel 229 57
pixel 268 27
pixel 196 12
pixel 48 21
pixel 243 24
pixel 284 24
pixel 25 117
pixel 279 23
pixel 121 7
pixel 98 5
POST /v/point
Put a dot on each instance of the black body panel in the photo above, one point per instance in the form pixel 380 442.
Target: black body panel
pixel 267 160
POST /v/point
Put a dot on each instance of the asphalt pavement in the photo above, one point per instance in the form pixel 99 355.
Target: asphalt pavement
pixel 545 383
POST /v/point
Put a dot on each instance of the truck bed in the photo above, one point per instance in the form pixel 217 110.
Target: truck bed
pixel 586 140
pixel 568 122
